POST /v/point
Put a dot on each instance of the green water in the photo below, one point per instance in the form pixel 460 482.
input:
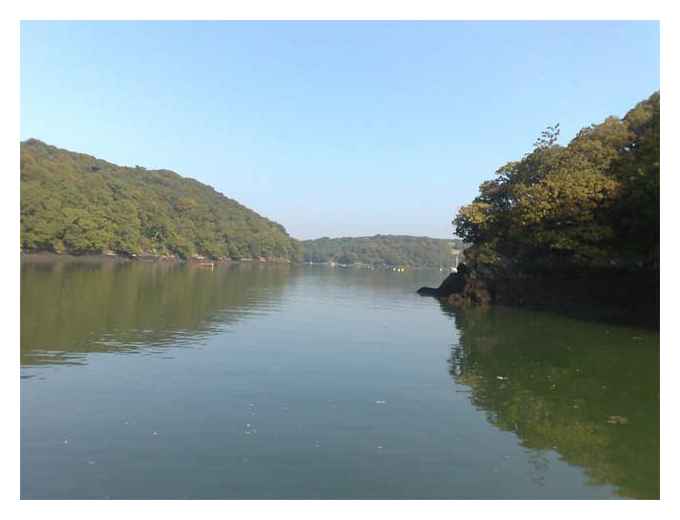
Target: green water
pixel 149 381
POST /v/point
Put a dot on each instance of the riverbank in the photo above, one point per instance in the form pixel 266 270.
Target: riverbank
pixel 48 256
pixel 609 295
pixel 383 267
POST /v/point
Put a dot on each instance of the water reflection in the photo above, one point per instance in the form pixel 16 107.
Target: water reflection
pixel 587 391
pixel 71 308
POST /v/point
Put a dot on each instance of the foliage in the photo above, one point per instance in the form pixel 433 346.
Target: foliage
pixel 383 250
pixel 591 204
pixel 75 203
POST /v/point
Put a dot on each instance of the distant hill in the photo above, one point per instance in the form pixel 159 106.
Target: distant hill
pixel 76 203
pixel 383 250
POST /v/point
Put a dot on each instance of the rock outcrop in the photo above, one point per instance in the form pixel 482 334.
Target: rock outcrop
pixel 452 284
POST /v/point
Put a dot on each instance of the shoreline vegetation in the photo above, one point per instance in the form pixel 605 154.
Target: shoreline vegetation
pixel 76 204
pixel 50 256
pixel 569 227
pixel 562 227
pixel 385 252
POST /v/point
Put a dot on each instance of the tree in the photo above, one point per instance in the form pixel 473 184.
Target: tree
pixel 78 204
pixel 591 204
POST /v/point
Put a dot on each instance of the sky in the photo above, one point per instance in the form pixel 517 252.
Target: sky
pixel 330 128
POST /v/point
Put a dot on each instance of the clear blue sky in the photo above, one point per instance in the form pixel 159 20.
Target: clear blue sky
pixel 330 128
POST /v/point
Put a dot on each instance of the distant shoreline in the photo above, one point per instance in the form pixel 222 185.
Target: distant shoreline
pixel 47 256
pixel 50 256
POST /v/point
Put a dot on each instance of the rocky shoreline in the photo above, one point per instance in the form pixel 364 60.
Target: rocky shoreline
pixel 145 257
pixel 619 295
pixel 460 288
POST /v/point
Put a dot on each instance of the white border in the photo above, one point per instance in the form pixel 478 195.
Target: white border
pixel 342 10
pixel 348 10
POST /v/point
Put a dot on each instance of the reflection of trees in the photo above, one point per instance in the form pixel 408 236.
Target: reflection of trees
pixel 555 382
pixel 74 307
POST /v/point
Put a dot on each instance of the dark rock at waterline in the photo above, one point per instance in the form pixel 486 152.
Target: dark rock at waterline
pixel 428 291
pixel 452 284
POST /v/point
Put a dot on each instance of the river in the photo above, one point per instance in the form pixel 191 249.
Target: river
pixel 251 381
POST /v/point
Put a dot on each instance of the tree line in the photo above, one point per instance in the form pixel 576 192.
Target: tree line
pixel 383 251
pixel 591 205
pixel 75 203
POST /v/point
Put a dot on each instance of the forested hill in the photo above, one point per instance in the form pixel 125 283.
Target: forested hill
pixel 573 224
pixel 593 204
pixel 76 203
pixel 383 250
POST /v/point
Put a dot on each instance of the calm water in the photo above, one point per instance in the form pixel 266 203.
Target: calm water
pixel 151 381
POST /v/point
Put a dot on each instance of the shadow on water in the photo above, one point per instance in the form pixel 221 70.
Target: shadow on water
pixel 587 391
pixel 72 308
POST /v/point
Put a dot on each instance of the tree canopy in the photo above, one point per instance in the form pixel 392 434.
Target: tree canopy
pixel 76 203
pixel 383 251
pixel 593 204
